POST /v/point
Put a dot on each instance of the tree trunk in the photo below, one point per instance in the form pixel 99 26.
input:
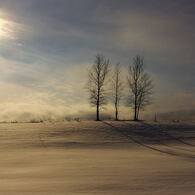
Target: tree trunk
pixel 135 113
pixel 97 113
pixel 135 109
pixel 116 112
pixel 98 102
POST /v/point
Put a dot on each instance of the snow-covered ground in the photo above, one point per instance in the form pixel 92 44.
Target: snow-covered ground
pixel 103 158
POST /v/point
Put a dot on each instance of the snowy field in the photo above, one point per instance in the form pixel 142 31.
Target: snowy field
pixel 101 158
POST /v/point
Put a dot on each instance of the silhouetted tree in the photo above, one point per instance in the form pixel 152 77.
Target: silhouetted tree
pixel 140 86
pixel 117 87
pixel 97 81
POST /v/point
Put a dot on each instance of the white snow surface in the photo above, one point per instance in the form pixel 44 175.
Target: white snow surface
pixel 101 158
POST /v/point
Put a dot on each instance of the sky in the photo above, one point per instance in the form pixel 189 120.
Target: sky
pixel 48 46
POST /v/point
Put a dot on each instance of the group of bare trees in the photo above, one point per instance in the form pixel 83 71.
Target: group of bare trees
pixel 139 85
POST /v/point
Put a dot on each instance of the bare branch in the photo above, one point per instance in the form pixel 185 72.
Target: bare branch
pixel 97 82
pixel 140 86
pixel 117 87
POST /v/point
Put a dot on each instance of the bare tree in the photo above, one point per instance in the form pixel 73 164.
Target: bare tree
pixel 140 86
pixel 117 87
pixel 97 81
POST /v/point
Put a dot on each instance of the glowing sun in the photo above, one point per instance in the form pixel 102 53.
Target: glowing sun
pixel 7 29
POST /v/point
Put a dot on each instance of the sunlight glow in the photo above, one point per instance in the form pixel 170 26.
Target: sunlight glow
pixel 8 29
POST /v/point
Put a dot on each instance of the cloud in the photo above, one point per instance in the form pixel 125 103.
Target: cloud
pixel 47 47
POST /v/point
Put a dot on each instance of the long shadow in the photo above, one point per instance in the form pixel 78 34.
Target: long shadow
pixel 161 136
pixel 161 133
pixel 192 157
pixel 170 136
